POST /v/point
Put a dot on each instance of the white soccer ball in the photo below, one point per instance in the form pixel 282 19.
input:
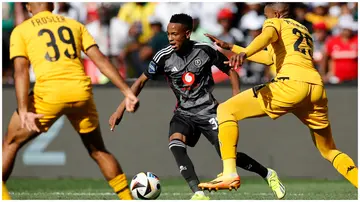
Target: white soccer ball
pixel 145 186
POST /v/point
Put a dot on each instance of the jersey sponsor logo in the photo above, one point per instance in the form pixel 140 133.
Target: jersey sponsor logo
pixel 152 67
pixel 188 78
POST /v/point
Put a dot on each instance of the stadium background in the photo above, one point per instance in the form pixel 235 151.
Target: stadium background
pixel 128 34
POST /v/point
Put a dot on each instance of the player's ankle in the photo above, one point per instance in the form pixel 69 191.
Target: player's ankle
pixel 200 193
pixel 232 174
pixel 268 174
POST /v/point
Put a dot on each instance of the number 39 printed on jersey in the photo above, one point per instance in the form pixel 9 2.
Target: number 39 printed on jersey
pixel 62 32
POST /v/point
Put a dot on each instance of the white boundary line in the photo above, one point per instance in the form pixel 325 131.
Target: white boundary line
pixel 111 194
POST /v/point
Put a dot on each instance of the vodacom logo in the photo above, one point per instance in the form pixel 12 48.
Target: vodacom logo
pixel 188 78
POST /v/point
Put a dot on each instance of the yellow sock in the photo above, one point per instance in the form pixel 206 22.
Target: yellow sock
pixel 346 166
pixel 121 188
pixel 229 166
pixel 5 193
pixel 228 138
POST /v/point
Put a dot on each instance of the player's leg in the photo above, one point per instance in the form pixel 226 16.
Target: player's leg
pixel 16 137
pixel 181 134
pixel 243 105
pixel 314 114
pixel 324 141
pixel 274 99
pixel 84 118
pixel 210 130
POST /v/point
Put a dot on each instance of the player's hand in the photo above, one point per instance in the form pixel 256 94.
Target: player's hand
pixel 237 60
pixel 28 120
pixel 115 119
pixel 131 102
pixel 218 42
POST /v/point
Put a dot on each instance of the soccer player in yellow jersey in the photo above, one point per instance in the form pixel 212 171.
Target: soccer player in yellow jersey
pixel 297 89
pixel 52 44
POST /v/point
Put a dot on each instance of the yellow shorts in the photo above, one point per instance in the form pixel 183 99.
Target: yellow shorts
pixel 82 114
pixel 305 100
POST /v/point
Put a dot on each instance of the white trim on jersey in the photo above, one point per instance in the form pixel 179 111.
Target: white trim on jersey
pixel 161 53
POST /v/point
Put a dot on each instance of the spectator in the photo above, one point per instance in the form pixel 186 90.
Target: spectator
pixel 157 42
pixel 207 14
pixel 320 14
pixel 229 34
pixel 164 11
pixel 198 32
pixel 101 29
pixel 341 55
pixel 255 12
pixel 137 14
pixel 65 9
pixel 252 72
pixel 300 11
pixel 319 37
pixel 13 14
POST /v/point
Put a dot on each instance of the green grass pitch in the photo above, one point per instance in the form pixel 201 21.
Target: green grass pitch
pixel 177 189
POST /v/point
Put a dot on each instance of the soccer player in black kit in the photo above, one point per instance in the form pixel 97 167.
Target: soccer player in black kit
pixel 187 66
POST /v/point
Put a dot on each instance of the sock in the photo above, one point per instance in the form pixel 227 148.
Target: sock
pixel 228 138
pixel 346 166
pixel 200 193
pixel 269 172
pixel 187 170
pixel 5 193
pixel 247 163
pixel 121 188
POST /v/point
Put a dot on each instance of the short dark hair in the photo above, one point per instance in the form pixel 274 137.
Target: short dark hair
pixel 183 19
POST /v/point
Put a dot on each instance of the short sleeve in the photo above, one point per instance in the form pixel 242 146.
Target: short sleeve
pixel 87 40
pixel 153 70
pixel 273 22
pixel 17 45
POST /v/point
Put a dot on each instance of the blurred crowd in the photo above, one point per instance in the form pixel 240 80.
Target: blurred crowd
pixel 130 33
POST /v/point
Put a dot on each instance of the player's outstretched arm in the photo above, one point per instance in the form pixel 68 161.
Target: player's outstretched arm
pixel 116 117
pixel 262 57
pixel 105 67
pixel 267 36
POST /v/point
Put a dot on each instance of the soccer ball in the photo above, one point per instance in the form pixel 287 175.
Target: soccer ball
pixel 145 186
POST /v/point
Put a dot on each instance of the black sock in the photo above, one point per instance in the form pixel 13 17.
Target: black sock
pixel 246 162
pixel 187 170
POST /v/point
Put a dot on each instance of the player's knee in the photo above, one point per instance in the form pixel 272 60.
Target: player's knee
pixel 15 139
pixel 224 114
pixel 177 136
pixel 176 143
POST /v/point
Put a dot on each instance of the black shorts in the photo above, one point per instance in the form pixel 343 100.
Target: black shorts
pixel 192 127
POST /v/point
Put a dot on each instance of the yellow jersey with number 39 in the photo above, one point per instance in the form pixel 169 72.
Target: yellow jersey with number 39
pixel 293 51
pixel 53 44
